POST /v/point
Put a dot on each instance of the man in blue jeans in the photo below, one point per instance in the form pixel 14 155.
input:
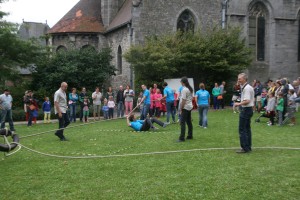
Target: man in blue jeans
pixel 60 108
pixel 169 96
pixel 5 107
pixel 246 105
pixel 120 102
pixel 147 101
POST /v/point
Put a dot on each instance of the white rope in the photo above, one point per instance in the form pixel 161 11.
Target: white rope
pixel 7 142
pixel 51 131
pixel 9 154
pixel 149 153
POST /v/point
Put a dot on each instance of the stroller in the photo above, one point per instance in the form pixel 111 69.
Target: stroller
pixel 290 114
pixel 266 115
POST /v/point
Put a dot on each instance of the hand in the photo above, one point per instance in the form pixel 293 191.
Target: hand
pixel 59 115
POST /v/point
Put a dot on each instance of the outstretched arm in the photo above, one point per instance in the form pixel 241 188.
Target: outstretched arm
pixel 128 122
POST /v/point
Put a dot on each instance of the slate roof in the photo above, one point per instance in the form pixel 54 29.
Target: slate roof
pixel 85 17
pixel 123 17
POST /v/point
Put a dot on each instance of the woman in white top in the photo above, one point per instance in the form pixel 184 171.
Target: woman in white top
pixel 186 107
pixel 96 96
pixel 128 94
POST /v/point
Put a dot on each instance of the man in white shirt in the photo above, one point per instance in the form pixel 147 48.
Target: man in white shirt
pixel 5 107
pixel 246 103
pixel 60 108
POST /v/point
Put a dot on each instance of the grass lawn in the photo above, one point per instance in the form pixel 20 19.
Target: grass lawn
pixel 217 174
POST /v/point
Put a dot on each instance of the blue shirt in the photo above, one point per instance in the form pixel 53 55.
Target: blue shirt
pixel 47 106
pixel 147 95
pixel 105 108
pixel 137 125
pixel 169 93
pixel 202 97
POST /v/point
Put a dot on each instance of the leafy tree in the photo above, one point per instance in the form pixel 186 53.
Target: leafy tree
pixel 14 52
pixel 79 68
pixel 213 55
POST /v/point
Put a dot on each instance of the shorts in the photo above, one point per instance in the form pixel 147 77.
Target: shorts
pixel 96 108
pixel 258 98
pixel 234 98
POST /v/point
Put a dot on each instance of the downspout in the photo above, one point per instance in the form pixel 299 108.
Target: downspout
pixel 224 11
pixel 130 29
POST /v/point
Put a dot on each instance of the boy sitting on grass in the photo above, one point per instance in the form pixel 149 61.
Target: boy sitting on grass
pixel 143 125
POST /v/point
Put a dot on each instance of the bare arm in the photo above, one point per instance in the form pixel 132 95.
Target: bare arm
pixel 128 122
pixel 58 109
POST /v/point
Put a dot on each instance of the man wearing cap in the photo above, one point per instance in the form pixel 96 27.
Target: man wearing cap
pixel 5 106
pixel 60 108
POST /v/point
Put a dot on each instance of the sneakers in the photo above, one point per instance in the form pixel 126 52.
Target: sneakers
pixel 205 127
pixel 153 128
pixel 291 124
pixel 167 123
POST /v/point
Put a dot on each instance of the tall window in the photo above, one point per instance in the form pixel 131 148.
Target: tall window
pixel 119 60
pixel 257 30
pixel 186 21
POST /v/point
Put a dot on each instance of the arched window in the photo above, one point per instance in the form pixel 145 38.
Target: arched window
pixel 186 21
pixel 119 60
pixel 257 30
pixel 88 47
pixel 61 48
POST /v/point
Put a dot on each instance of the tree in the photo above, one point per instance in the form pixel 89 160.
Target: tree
pixel 79 68
pixel 210 56
pixel 14 52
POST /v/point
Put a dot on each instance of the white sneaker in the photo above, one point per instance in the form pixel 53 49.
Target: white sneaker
pixel 167 123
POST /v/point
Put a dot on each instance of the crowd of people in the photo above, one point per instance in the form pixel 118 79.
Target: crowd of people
pixel 273 99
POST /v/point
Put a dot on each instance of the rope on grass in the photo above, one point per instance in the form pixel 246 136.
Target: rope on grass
pixel 148 153
pixel 53 130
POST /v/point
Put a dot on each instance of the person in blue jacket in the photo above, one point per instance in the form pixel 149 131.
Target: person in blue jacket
pixel 143 125
pixel 73 98
pixel 47 110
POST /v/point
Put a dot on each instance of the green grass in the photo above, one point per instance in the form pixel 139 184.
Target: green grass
pixel 218 174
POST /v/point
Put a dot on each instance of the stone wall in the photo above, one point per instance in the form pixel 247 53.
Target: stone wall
pixel 154 17
pixel 115 39
pixel 281 43
pixel 78 41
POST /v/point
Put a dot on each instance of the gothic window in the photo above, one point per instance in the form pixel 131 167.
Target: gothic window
pixel 119 60
pixel 257 30
pixel 61 48
pixel 186 21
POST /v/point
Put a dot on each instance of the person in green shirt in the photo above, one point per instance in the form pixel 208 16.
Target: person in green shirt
pixel 216 91
pixel 279 108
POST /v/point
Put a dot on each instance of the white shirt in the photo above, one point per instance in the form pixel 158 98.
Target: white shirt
pixel 247 94
pixel 186 95
pixel 97 98
pixel 5 101
pixel 111 104
pixel 61 98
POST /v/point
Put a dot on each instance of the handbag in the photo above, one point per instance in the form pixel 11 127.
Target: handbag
pixel 220 97
pixel 32 107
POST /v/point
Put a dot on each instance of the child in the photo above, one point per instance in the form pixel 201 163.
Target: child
pixel 270 110
pixel 111 105
pixel 142 104
pixel 292 107
pixel 86 111
pixel 105 109
pixel 279 108
pixel 157 103
pixel 47 110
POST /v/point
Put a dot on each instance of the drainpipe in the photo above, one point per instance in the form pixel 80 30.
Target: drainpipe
pixel 224 11
pixel 130 29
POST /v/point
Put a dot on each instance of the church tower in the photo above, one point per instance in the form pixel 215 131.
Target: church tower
pixel 109 9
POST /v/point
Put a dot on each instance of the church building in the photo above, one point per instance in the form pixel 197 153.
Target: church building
pixel 270 27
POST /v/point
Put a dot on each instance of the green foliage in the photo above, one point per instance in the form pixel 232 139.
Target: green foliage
pixel 79 68
pixel 15 52
pixel 215 55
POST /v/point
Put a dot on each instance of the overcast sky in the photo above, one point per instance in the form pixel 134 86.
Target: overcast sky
pixel 37 10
